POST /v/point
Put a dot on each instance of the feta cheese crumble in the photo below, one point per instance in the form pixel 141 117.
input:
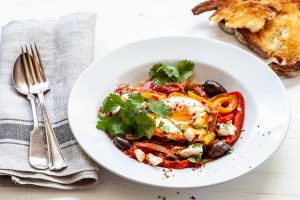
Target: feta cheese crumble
pixel 189 134
pixel 153 160
pixel 192 150
pixel 140 155
pixel 226 129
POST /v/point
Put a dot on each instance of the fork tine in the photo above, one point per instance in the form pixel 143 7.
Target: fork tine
pixel 36 66
pixel 41 63
pixel 27 75
pixel 30 66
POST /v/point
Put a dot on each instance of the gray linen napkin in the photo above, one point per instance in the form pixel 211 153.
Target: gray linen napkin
pixel 66 46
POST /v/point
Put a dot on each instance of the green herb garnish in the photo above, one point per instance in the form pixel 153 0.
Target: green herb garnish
pixel 132 115
pixel 166 129
pixel 161 124
pixel 159 108
pixel 196 145
pixel 163 73
pixel 208 111
pixel 192 159
pixel 230 151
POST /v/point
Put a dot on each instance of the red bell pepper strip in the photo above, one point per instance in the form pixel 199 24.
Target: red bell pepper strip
pixel 176 164
pixel 238 119
pixel 226 118
pixel 168 88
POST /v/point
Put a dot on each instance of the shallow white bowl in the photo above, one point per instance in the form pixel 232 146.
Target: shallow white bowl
pixel 267 108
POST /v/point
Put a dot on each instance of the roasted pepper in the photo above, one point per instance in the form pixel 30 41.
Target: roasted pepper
pixel 231 102
pixel 199 98
pixel 238 119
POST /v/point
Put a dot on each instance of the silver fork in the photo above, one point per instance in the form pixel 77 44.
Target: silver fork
pixel 38 85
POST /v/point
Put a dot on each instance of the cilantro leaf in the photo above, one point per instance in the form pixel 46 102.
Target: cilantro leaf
pixel 185 68
pixel 192 159
pixel 171 71
pixel 131 116
pixel 133 104
pixel 111 124
pixel 159 108
pixel 156 69
pixel 145 125
pixel 161 124
pixel 111 102
pixel 158 74
pixel 162 73
pixel 135 98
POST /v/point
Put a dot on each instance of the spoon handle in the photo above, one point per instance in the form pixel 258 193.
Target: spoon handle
pixel 56 159
pixel 37 153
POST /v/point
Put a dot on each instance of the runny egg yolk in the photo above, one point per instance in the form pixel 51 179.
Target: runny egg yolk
pixel 186 111
pixel 182 115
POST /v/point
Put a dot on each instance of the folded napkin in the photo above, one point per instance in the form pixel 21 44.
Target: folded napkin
pixel 66 46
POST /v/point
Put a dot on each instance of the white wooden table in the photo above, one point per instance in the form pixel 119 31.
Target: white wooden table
pixel 120 22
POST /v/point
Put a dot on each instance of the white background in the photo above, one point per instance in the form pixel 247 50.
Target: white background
pixel 123 21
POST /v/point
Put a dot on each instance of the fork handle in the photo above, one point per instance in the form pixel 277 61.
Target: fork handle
pixel 56 159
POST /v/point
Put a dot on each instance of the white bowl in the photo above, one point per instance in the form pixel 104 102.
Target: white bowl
pixel 266 119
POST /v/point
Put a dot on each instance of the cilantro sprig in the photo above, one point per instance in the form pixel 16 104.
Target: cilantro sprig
pixel 132 115
pixel 162 73
pixel 194 159
pixel 159 108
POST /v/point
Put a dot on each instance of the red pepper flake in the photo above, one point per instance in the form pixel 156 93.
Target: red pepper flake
pixel 192 197
pixel 166 171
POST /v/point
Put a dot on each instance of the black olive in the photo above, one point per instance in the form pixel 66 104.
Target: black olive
pixel 218 149
pixel 121 143
pixel 213 88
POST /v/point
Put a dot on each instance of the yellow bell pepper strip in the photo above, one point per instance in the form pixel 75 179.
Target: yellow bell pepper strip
pixel 155 96
pixel 199 98
pixel 231 102
pixel 175 94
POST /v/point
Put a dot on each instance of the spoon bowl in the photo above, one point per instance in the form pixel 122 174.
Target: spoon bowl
pixel 19 79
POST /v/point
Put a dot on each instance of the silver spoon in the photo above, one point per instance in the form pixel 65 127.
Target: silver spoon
pixel 37 153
